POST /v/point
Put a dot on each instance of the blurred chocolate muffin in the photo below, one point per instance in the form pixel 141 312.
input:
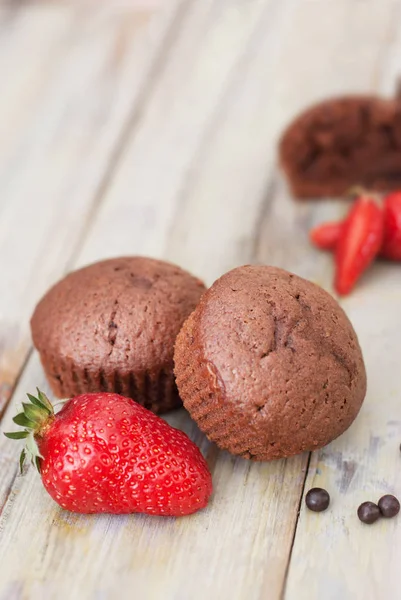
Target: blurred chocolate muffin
pixel 111 326
pixel 341 143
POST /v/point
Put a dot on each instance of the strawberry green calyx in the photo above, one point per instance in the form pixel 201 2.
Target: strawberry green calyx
pixel 35 417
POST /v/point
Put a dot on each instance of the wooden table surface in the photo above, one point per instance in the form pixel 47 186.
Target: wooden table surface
pixel 150 127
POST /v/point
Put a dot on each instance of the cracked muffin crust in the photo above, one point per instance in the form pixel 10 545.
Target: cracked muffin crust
pixel 343 142
pixel 269 365
pixel 111 327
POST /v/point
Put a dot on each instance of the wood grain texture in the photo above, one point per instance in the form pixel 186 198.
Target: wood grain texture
pixel 195 181
pixel 254 504
pixel 350 560
pixel 71 84
pixel 207 62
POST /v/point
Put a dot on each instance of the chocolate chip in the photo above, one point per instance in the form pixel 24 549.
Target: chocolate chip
pixel 389 506
pixel 317 499
pixel 368 512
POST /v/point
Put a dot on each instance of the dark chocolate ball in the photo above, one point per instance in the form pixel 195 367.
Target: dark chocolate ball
pixel 317 499
pixel 368 512
pixel 389 506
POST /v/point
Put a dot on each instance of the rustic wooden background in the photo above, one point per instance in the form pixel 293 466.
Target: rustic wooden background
pixel 150 127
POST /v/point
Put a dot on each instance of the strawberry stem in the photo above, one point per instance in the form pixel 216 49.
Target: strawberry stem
pixel 356 191
pixel 34 417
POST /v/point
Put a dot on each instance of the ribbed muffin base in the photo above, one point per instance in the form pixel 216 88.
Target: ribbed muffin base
pixel 155 391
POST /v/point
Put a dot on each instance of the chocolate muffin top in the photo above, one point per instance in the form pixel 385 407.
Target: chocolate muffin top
pixel 269 365
pixel 119 315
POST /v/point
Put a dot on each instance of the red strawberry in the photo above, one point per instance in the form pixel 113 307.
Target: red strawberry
pixel 106 453
pixel 326 235
pixel 359 243
pixel 392 227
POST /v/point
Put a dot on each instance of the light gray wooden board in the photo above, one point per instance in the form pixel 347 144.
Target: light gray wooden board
pixel 350 560
pixel 52 170
pixel 71 82
pixel 239 27
pixel 205 192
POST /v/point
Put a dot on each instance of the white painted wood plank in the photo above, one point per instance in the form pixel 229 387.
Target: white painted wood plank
pixel 61 121
pixel 217 552
pixel 26 66
pixel 222 48
pixel 206 61
pixel 217 221
pixel 254 509
pixel 350 560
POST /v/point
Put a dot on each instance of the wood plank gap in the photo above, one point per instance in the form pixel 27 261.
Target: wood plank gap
pixel 262 215
pixel 7 495
pixel 287 569
pixel 15 383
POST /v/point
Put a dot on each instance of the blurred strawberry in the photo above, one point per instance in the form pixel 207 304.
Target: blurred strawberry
pixel 359 243
pixel 391 247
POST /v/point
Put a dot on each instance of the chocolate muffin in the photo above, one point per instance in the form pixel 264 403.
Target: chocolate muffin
pixel 343 142
pixel 269 365
pixel 111 327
